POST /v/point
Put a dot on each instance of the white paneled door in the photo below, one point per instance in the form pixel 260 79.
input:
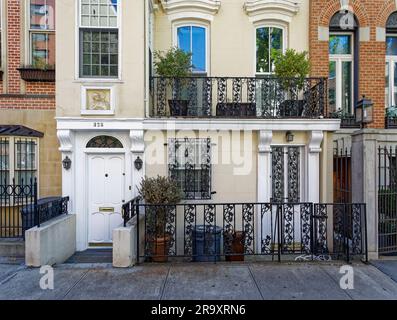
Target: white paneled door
pixel 106 196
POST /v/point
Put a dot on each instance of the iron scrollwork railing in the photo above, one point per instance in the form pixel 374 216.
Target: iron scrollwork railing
pixel 241 97
pixel 196 230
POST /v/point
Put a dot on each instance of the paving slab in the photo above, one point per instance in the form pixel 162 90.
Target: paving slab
pixel 388 267
pixel 369 282
pixel 295 282
pixel 25 284
pixel 210 281
pixel 140 282
pixel 8 269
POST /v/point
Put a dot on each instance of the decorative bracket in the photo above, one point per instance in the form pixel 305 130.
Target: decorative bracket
pixel 137 141
pixel 265 140
pixel 316 137
pixel 65 140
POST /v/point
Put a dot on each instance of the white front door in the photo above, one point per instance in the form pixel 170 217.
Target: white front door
pixel 106 176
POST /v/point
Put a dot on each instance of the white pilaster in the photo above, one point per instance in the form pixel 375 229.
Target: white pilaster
pixel 264 165
pixel 137 150
pixel 66 140
pixel 313 166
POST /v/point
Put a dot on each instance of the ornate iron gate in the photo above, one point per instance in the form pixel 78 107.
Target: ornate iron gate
pixel 387 199
pixel 342 176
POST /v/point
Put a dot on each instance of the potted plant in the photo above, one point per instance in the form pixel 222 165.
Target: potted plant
pixel 174 64
pixel 235 240
pixel 39 71
pixel 291 68
pixel 161 192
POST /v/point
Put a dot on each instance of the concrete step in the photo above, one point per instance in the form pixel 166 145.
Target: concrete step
pixel 12 248
pixel 92 256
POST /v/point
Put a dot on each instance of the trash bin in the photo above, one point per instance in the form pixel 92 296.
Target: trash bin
pixel 27 212
pixel 206 243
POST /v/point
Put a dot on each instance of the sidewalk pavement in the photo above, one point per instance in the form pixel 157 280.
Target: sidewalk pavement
pixel 221 281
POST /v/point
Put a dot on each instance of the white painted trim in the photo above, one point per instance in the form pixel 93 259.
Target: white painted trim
pixel 83 106
pixel 190 23
pixel 282 10
pixel 191 9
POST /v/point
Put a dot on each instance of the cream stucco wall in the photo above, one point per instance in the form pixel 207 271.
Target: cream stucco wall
pixel 232 36
pixel 129 89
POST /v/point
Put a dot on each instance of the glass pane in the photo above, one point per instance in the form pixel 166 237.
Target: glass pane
pixel 199 49
pixel 276 42
pixel 184 37
pixel 347 87
pixel 25 176
pixel 395 83
pixel 340 44
pixel 387 84
pixel 391 46
pixel 42 14
pixel 4 154
pixel 332 85
pixel 262 50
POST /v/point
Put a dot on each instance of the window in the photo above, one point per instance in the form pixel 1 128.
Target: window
pixel 190 166
pixel 18 160
pixel 341 72
pixel 42 33
pixel 267 40
pixel 391 71
pixel 193 39
pixel 104 142
pixel 99 38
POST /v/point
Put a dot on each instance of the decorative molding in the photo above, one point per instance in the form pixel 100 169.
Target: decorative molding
pixel 316 137
pixel 137 141
pixel 199 9
pixel 265 139
pixel 65 140
pixel 282 10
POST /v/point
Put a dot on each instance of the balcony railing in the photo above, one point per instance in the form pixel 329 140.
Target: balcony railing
pixel 390 122
pixel 240 97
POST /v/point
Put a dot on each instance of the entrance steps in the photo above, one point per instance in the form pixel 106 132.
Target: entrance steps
pixel 12 248
pixel 97 255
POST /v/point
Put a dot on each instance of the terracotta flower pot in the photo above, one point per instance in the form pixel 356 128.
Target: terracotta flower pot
pixel 160 248
pixel 237 252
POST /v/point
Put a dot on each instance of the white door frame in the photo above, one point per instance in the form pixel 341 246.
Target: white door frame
pixel 100 151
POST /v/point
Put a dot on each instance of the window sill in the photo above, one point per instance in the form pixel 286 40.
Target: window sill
pixel 98 80
pixel 97 113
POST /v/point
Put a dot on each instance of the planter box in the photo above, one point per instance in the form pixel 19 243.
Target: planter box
pixel 33 74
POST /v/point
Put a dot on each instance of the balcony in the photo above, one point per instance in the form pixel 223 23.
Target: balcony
pixel 240 97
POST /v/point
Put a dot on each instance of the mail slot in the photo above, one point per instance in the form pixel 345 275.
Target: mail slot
pixel 106 209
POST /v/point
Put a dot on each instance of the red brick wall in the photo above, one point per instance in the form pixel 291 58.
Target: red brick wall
pixel 370 13
pixel 16 93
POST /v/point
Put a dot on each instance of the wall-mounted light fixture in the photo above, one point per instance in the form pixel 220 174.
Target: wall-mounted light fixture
pixel 289 136
pixel 138 163
pixel 67 163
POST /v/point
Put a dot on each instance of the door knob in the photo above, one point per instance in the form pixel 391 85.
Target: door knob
pixel 106 175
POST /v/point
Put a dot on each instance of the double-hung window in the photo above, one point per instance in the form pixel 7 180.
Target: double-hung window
pixel 99 38
pixel 268 39
pixel 189 163
pixel 391 70
pixel 193 39
pixel 18 160
pixel 42 33
pixel 341 64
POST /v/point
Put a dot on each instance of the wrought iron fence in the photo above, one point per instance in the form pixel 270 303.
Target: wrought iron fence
pixel 387 199
pixel 390 122
pixel 241 97
pixel 342 175
pixel 20 209
pixel 130 209
pixel 233 231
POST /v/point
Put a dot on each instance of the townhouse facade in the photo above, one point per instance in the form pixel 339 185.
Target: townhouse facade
pixel 28 140
pixel 115 117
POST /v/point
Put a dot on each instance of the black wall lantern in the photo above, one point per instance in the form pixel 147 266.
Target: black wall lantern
pixel 138 163
pixel 364 111
pixel 67 163
pixel 289 136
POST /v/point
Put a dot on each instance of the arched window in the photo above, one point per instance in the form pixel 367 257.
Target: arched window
pixel 391 61
pixel 104 142
pixel 342 59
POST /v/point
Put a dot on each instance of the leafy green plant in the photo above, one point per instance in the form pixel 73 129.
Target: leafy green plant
pixel 161 192
pixel 391 112
pixel 291 67
pixel 173 63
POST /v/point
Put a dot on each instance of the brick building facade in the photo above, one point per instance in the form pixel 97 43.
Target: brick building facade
pixel 27 86
pixel 370 52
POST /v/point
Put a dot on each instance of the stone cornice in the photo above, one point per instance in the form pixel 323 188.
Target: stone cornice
pixel 271 9
pixel 205 9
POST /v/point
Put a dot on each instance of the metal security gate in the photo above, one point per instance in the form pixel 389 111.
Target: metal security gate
pixel 387 199
pixel 342 176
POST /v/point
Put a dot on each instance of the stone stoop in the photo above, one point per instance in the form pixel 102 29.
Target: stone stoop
pixel 12 248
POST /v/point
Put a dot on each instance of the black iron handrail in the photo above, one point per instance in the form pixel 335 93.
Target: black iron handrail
pixel 238 97
pixel 130 209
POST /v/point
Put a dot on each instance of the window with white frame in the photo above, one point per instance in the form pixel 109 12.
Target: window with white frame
pixel 189 162
pixel 391 70
pixel 341 64
pixel 42 33
pixel 99 38
pixel 268 39
pixel 18 160
pixel 193 39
